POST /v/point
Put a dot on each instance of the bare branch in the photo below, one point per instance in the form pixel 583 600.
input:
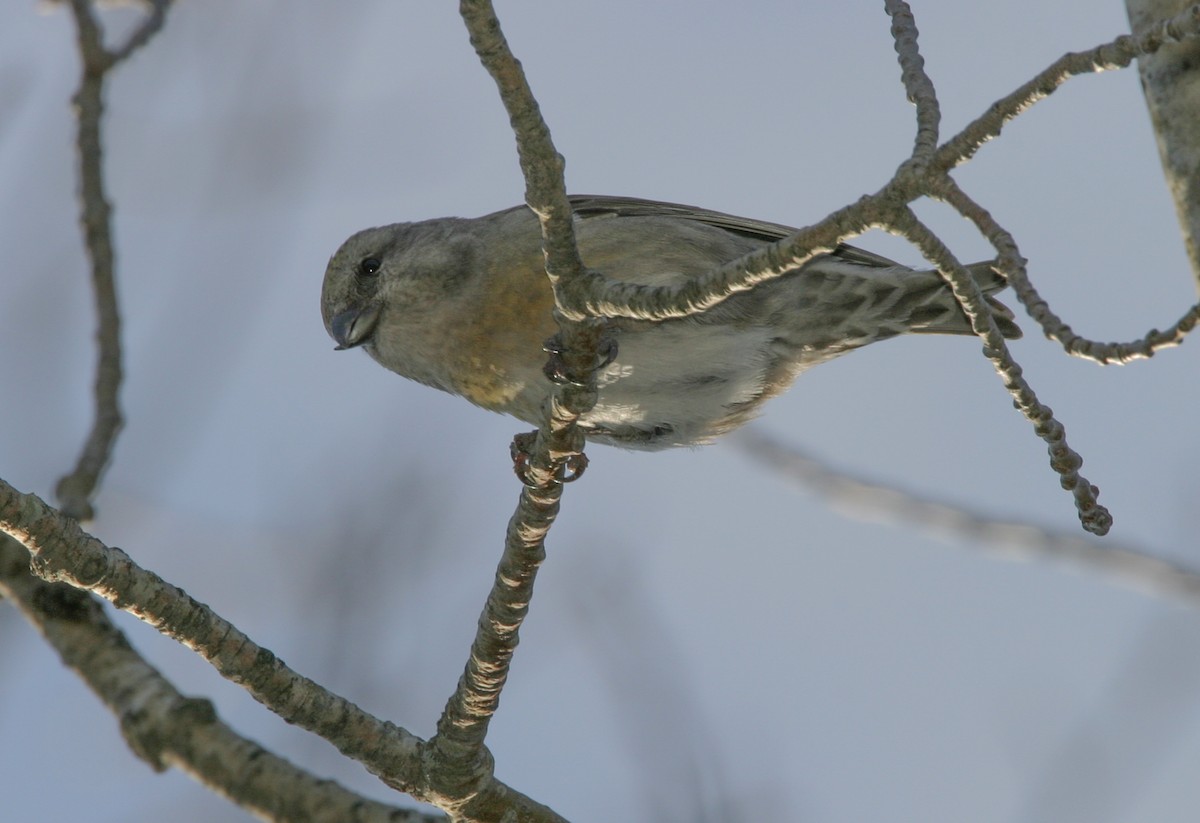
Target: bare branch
pixel 462 766
pixel 594 295
pixel 1094 517
pixel 1124 564
pixel 165 728
pixel 590 294
pixel 63 552
pixel 150 26
pixel 75 490
pixel 916 82
pixel 1116 54
pixel 1014 267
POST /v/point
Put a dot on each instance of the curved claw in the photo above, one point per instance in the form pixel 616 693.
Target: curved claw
pixel 570 470
pixel 556 370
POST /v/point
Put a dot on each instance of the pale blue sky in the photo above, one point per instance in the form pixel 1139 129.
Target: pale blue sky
pixel 699 622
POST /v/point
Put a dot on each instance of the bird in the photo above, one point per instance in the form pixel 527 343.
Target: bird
pixel 464 305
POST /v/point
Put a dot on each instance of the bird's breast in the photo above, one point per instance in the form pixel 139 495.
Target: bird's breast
pixel 495 353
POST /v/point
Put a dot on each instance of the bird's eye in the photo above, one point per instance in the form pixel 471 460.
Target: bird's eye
pixel 369 266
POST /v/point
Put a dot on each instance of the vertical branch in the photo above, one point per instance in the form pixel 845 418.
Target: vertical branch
pixel 917 84
pixel 541 164
pixel 460 767
pixel 75 490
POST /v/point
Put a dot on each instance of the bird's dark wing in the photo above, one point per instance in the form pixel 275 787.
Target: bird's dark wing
pixel 598 205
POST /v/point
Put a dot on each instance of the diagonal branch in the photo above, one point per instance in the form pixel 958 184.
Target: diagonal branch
pixel 149 27
pixel 63 552
pixel 594 295
pixel 165 728
pixel 1094 517
pixel 1014 267
pixel 1116 54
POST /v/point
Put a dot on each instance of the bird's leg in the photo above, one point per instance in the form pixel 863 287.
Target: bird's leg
pixel 556 369
pixel 521 450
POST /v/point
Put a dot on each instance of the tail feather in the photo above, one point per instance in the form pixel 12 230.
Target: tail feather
pixel 946 317
pixel 864 291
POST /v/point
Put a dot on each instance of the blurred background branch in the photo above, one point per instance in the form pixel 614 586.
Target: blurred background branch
pixel 860 497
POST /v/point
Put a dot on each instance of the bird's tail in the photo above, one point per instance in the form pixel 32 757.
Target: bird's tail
pixel 939 312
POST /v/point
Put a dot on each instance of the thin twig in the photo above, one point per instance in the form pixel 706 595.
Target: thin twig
pixel 75 490
pixel 1054 327
pixel 916 82
pixel 1094 517
pixel 149 27
pixel 593 295
pixel 1116 54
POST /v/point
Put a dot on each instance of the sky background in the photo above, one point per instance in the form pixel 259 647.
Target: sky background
pixel 707 641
